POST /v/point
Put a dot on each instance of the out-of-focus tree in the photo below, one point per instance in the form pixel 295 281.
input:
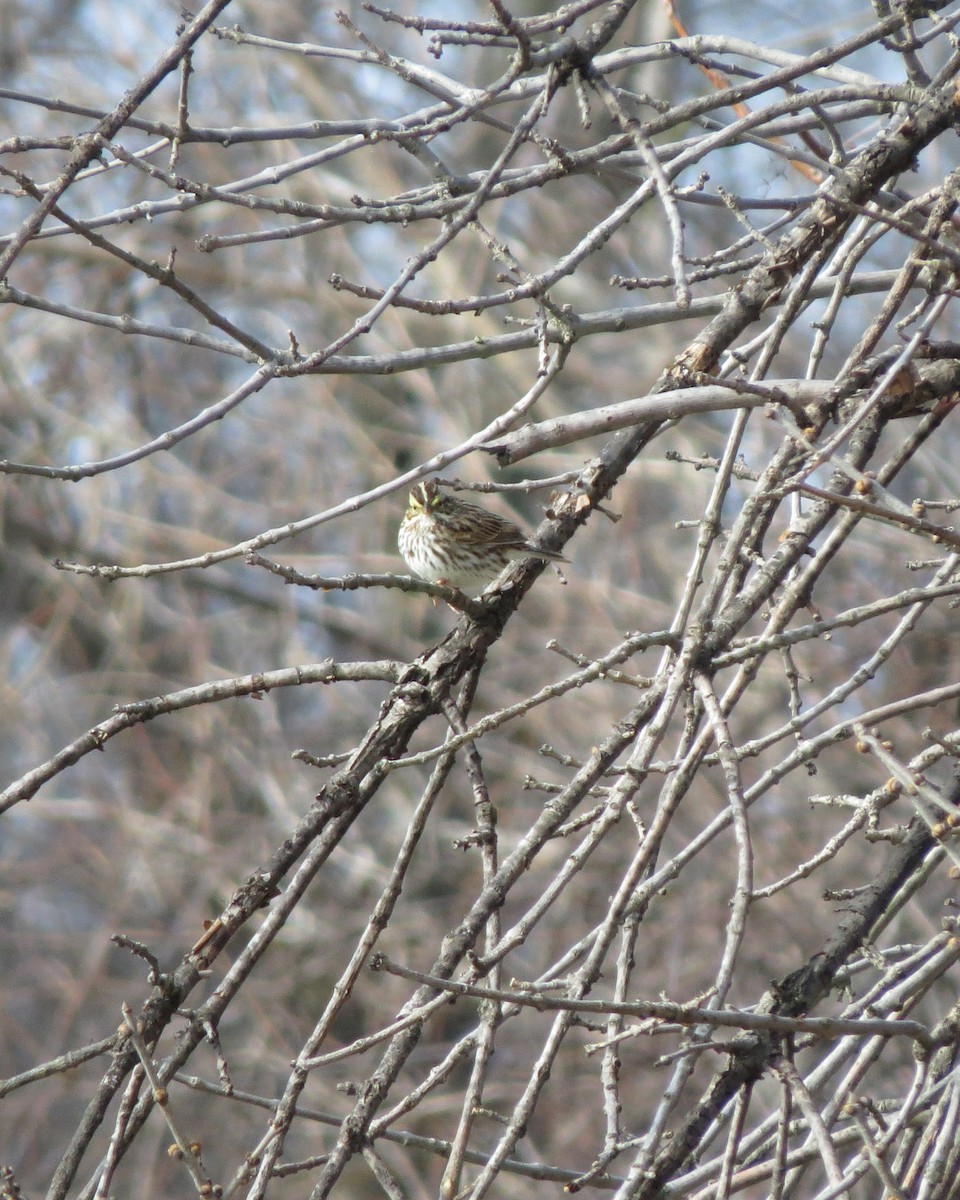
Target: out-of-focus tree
pixel 626 877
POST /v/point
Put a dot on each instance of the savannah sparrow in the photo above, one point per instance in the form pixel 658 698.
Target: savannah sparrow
pixel 448 541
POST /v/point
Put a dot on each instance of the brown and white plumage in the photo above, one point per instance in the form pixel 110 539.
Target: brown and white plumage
pixel 445 540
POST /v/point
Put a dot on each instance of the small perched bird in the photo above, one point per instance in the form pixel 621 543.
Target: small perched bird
pixel 447 541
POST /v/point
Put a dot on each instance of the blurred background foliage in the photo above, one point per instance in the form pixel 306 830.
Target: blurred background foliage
pixel 151 837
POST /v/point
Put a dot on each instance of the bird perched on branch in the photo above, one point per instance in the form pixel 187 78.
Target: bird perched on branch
pixel 445 540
